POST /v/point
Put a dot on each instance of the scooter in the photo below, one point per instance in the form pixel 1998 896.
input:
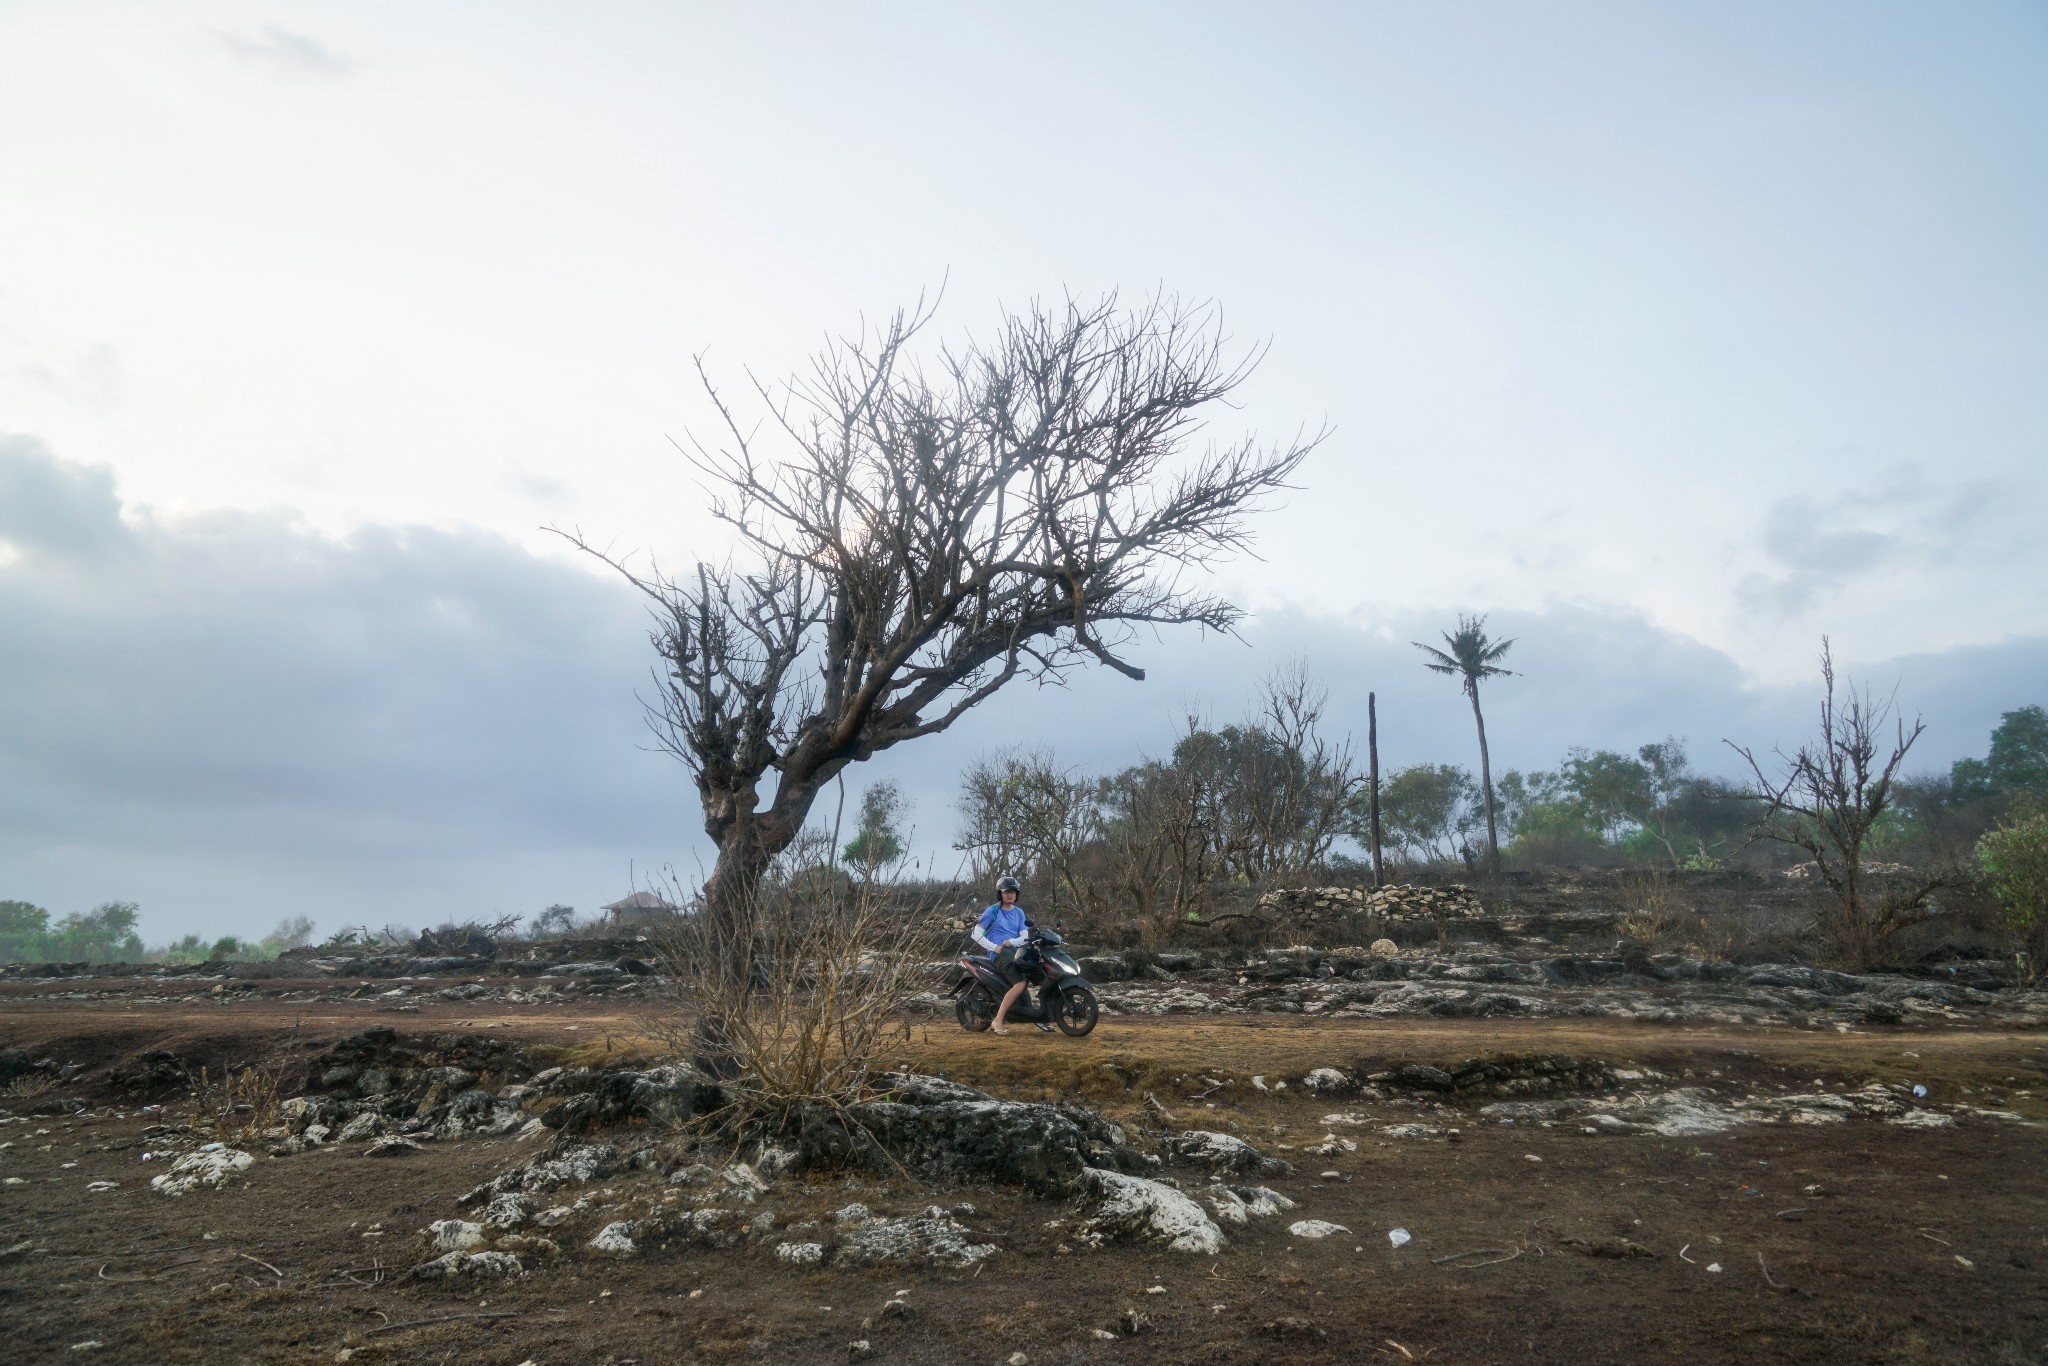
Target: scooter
pixel 1055 992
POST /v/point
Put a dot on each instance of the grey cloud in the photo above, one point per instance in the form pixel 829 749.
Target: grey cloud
pixel 286 50
pixel 231 719
pixel 1820 545
pixel 394 725
pixel 56 510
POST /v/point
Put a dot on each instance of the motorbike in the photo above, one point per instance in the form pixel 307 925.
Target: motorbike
pixel 1055 992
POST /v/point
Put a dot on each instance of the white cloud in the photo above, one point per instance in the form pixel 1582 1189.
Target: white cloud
pixel 285 50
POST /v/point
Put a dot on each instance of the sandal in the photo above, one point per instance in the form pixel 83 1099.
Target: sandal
pixel 998 1029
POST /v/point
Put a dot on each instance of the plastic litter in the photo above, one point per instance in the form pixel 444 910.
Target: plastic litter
pixel 1399 1237
pixel 1919 1092
pixel 1713 1266
pixel 211 1147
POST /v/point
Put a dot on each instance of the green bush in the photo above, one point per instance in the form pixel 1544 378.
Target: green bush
pixel 24 928
pixel 2014 860
pixel 104 934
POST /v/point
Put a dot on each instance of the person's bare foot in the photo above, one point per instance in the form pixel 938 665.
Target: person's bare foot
pixel 997 1029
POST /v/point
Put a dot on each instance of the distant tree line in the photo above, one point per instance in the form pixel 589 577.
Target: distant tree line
pixel 107 934
pixel 1273 799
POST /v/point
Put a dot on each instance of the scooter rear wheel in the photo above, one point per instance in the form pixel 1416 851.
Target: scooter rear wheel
pixel 975 1010
pixel 1077 1012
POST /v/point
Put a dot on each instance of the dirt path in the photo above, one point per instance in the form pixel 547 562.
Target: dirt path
pixel 1277 1044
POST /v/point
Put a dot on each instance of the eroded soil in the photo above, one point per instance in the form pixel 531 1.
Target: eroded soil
pixel 1850 1241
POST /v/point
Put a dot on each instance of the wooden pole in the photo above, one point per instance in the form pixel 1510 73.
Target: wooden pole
pixel 1372 746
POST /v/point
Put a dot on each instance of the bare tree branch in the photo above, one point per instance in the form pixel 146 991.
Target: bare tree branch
pixel 921 536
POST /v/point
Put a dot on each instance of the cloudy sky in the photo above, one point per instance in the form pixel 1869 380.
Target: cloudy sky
pixel 1674 337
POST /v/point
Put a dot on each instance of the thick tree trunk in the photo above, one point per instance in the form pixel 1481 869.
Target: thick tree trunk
pixel 1486 786
pixel 748 842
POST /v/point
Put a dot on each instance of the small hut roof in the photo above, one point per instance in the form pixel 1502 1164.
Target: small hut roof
pixel 639 901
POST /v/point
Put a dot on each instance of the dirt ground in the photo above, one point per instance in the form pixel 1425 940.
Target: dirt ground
pixel 1847 1242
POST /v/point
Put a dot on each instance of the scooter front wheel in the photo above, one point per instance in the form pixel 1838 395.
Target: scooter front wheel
pixel 1077 1012
pixel 975 1010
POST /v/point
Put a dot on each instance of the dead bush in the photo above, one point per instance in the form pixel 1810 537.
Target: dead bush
pixel 29 1085
pixel 805 1024
pixel 1653 914
pixel 239 1104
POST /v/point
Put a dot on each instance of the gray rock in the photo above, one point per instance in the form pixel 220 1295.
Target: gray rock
pixel 574 1166
pixel 507 1211
pixel 1138 1209
pixel 454 1265
pixel 940 1241
pixel 362 1128
pixel 1242 1204
pixel 1420 1076
pixel 615 1240
pixel 940 1133
pixel 1315 1228
pixel 455 1235
pixel 202 1171
pixel 391 1145
pixel 1223 1153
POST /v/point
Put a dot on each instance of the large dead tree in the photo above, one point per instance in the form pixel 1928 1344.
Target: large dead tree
pixel 917 534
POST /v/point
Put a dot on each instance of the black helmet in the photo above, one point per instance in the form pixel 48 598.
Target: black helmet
pixel 1009 884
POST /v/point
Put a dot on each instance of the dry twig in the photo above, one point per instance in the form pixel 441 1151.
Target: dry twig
pixel 426 1323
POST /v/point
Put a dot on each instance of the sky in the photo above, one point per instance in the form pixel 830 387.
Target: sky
pixel 1674 338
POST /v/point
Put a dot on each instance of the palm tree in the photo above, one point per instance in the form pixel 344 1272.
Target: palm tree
pixel 1472 655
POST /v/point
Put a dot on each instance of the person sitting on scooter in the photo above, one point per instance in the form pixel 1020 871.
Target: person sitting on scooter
pixel 1002 931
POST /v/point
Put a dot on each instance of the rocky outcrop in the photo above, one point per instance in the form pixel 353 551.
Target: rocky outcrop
pixel 944 1131
pixel 1663 988
pixel 666 1095
pixel 573 1166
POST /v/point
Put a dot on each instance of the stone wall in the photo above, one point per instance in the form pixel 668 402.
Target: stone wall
pixel 1394 903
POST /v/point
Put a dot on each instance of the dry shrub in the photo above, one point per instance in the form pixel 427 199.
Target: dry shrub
pixel 241 1103
pixel 1652 913
pixel 29 1085
pixel 1662 916
pixel 804 1001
